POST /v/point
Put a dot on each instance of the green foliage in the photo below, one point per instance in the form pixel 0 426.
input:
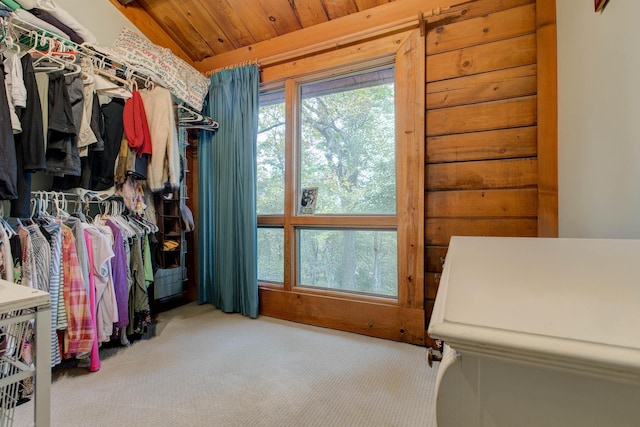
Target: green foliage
pixel 271 163
pixel 271 254
pixel 323 255
pixel 347 150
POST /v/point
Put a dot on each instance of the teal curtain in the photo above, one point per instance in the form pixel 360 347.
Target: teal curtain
pixel 227 223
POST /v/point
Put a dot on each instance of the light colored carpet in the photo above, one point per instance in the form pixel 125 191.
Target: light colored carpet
pixel 207 368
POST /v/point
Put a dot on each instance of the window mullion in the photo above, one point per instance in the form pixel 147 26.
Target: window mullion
pixel 291 157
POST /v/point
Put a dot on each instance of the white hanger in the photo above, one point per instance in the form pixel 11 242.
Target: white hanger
pixel 6 227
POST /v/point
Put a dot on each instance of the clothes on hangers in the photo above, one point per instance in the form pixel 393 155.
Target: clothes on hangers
pixel 16 126
pixel 82 137
pixel 61 254
pixel 30 148
pixel 27 260
pixel 97 275
pixel 103 163
pixel 136 126
pixel 128 164
pixel 6 258
pixel 66 104
pixel 94 356
pixel 32 143
pixel 119 272
pixel 9 171
pixel 79 333
pixel 165 161
pixel 14 80
pixel 86 136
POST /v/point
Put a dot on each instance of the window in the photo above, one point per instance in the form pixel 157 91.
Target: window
pixel 346 147
pixel 270 184
pixel 361 261
pixel 347 143
pixel 347 133
pixel 270 155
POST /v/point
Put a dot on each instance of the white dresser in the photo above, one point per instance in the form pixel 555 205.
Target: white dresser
pixel 539 332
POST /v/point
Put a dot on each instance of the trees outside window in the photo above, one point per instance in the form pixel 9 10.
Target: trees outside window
pixel 346 150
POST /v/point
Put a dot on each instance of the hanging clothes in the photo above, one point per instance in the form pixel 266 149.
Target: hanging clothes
pixel 86 136
pixel 165 161
pixel 58 314
pixel 103 162
pixel 9 170
pixel 97 128
pixel 14 80
pixel 81 248
pixel 106 306
pixel 79 333
pixel 28 262
pixel 30 144
pixel 16 92
pixel 136 126
pixel 6 259
pixel 16 255
pixel 119 268
pixel 42 256
pixel 63 157
pixel 94 363
pixel 140 296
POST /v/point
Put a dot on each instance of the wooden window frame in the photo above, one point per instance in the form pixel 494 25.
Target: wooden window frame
pixel 400 319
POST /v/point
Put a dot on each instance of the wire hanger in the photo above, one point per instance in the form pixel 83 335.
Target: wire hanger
pixel 188 118
pixel 188 115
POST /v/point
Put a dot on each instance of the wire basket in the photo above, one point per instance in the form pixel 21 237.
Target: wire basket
pixel 16 360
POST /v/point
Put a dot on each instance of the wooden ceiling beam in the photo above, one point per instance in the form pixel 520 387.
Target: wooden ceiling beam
pixel 150 28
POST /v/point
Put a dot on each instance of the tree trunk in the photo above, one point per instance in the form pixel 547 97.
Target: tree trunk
pixel 349 266
pixel 377 273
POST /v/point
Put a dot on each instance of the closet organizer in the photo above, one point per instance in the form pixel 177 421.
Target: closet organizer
pixel 105 122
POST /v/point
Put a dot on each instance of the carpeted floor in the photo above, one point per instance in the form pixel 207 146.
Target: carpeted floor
pixel 207 368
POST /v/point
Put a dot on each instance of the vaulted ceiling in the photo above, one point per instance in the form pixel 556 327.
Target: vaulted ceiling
pixel 198 29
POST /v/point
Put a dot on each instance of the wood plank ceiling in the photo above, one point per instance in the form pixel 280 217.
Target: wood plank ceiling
pixel 199 29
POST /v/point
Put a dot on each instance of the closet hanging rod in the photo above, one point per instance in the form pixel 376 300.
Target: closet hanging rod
pixel 100 60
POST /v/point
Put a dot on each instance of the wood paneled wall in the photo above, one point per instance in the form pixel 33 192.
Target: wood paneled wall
pixel 491 126
pixel 481 127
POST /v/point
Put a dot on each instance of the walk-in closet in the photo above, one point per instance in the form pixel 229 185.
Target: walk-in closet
pixel 316 213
